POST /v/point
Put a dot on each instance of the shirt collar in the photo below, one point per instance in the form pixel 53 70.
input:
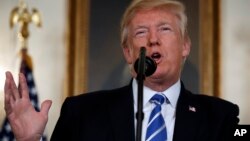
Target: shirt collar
pixel 172 93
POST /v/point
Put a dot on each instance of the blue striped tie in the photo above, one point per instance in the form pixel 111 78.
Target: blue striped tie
pixel 156 130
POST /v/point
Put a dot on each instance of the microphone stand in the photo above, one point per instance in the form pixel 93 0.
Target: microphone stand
pixel 140 79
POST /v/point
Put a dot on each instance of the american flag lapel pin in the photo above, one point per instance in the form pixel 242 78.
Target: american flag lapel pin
pixel 192 109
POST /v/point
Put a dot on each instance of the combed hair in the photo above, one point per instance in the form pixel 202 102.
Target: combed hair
pixel 174 6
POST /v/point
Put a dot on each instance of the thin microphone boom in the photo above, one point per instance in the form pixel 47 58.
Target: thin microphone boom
pixel 144 66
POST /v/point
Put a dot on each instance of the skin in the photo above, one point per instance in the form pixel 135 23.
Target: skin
pixel 155 29
pixel 26 123
pixel 158 30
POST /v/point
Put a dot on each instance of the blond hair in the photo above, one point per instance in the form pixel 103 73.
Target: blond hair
pixel 137 5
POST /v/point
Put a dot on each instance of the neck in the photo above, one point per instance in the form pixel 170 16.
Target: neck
pixel 158 85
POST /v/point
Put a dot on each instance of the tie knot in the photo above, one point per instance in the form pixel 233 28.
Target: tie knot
pixel 159 99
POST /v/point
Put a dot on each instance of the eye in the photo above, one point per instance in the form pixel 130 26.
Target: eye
pixel 165 28
pixel 140 32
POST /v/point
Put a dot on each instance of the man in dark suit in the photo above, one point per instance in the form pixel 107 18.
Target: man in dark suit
pixel 172 113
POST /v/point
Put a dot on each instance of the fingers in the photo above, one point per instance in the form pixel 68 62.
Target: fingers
pixel 45 107
pixel 10 92
pixel 12 89
pixel 7 93
pixel 23 88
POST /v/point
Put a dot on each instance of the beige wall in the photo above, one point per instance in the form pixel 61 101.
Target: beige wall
pixel 46 47
pixel 235 55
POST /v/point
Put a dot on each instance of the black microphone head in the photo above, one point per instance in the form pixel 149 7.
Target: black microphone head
pixel 150 66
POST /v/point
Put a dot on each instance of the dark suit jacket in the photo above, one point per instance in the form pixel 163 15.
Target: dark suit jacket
pixel 109 116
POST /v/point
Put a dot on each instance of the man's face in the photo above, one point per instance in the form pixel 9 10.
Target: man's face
pixel 158 30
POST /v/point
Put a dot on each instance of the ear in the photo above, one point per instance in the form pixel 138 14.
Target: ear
pixel 186 47
pixel 127 52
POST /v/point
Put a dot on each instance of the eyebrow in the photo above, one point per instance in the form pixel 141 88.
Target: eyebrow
pixel 163 23
pixel 159 24
pixel 140 26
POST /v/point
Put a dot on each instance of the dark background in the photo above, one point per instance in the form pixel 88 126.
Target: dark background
pixel 107 67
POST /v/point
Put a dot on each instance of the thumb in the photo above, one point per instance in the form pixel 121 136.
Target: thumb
pixel 45 107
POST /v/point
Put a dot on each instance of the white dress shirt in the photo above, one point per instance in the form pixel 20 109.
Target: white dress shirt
pixel 168 110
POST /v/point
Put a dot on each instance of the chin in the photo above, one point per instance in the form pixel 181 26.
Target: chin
pixel 156 76
pixel 160 74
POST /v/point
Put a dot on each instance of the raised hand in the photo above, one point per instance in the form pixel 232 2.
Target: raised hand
pixel 26 123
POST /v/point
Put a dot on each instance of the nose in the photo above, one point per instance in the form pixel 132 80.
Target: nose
pixel 153 39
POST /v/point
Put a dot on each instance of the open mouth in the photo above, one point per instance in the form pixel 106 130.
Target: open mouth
pixel 156 57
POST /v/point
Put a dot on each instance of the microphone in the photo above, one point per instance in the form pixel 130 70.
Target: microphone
pixel 150 64
pixel 144 66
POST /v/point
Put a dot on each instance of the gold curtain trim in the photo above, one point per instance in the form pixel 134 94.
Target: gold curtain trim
pixel 210 46
pixel 77 47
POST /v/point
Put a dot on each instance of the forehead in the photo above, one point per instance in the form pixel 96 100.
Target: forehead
pixel 152 17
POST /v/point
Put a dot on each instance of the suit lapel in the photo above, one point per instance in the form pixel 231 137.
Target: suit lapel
pixel 121 112
pixel 188 117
